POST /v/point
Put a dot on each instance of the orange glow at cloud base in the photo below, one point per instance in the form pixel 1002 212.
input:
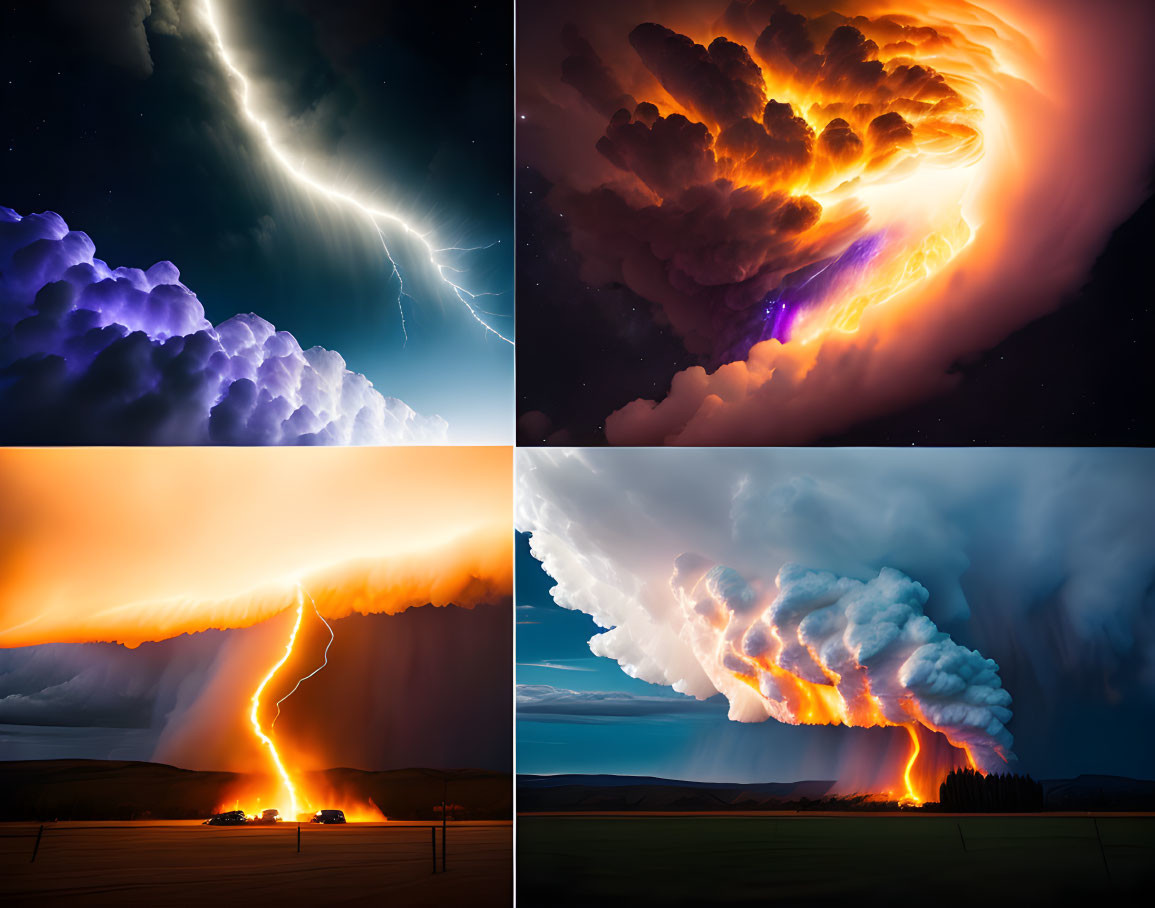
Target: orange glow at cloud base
pixel 129 545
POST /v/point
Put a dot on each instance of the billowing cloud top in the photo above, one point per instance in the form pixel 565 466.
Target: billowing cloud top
pixel 96 355
pixel 834 650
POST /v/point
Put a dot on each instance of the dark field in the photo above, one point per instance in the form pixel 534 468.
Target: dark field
pixel 832 859
pixel 167 863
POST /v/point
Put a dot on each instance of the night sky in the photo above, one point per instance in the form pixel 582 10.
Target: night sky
pixel 131 133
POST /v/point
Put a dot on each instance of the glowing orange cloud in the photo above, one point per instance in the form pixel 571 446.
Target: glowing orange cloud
pixel 140 544
pixel 993 205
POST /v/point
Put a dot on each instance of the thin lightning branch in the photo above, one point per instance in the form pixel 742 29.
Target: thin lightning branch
pixel 469 248
pixel 374 214
pixel 400 281
pixel 314 671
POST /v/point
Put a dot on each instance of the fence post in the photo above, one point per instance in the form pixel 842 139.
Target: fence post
pixel 433 845
pixel 36 847
pixel 960 835
pixel 298 838
pixel 443 837
pixel 1102 850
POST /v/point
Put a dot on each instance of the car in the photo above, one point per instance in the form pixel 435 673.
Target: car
pixel 328 816
pixel 228 818
pixel 271 815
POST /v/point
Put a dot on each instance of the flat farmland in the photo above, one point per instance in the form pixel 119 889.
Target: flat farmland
pixel 185 863
pixel 834 859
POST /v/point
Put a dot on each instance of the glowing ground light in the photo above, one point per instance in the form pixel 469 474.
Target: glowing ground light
pixel 373 213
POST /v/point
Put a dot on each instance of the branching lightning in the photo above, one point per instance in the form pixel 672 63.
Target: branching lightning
pixel 324 662
pixel 374 214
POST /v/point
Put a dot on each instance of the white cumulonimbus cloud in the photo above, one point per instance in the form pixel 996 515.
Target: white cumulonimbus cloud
pixel 814 585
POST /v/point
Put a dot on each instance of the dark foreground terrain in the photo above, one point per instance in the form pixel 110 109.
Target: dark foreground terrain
pixel 45 790
pixel 154 863
pixel 827 859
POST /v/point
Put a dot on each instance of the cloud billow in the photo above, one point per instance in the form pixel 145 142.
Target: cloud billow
pixel 95 355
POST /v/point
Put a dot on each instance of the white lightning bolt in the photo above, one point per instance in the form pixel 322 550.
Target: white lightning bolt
pixel 300 681
pixel 374 214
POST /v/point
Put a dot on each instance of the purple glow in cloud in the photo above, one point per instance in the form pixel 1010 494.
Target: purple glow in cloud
pixel 97 355
pixel 807 288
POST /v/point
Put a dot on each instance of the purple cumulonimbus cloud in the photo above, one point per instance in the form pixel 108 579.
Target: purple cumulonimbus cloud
pixel 97 355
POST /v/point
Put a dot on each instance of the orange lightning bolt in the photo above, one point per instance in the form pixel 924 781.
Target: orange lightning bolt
pixel 254 713
pixel 911 795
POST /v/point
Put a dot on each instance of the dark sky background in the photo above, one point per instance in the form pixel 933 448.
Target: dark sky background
pixel 589 350
pixel 130 132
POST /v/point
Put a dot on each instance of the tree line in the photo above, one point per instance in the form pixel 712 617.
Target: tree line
pixel 970 791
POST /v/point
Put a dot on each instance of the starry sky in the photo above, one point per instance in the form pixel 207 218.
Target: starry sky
pixel 130 131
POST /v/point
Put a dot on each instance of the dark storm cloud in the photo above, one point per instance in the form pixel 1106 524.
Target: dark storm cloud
pixel 127 693
pixel 777 147
pixel 785 43
pixel 176 701
pixel 74 685
pixel 890 131
pixel 848 64
pixel 699 255
pixel 545 703
pixel 708 254
pixel 666 153
pixel 722 82
pixel 94 355
pixel 839 142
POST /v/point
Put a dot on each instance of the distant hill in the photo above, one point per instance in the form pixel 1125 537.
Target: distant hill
pixel 124 790
pixel 1099 793
pixel 647 793
pixel 623 793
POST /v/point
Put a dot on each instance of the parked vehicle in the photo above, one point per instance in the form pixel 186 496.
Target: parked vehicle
pixel 229 818
pixel 328 816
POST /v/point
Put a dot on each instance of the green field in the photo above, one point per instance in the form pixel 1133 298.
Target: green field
pixel 848 860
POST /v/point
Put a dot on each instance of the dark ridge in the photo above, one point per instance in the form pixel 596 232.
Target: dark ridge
pixel 125 790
